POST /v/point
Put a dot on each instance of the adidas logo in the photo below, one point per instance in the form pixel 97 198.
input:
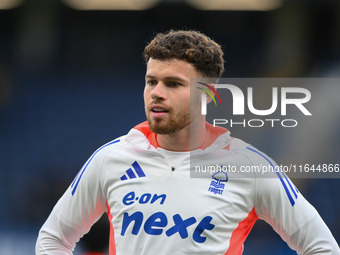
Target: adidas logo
pixel 130 174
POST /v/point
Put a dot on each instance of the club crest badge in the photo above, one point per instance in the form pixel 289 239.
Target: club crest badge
pixel 218 184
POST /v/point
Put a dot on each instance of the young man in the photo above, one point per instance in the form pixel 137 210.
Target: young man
pixel 142 180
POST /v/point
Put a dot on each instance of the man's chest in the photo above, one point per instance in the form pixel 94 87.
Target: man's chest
pixel 149 199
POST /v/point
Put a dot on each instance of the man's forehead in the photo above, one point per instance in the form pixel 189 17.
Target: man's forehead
pixel 170 69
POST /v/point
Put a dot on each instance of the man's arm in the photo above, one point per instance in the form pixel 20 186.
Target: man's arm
pixel 279 203
pixel 317 238
pixel 79 208
pixel 293 218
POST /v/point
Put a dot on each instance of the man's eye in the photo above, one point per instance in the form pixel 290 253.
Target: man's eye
pixel 173 84
pixel 151 82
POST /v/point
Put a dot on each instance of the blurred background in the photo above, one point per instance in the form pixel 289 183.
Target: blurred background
pixel 72 78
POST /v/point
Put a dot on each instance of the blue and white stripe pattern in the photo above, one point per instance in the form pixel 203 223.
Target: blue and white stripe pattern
pixel 291 191
pixel 75 183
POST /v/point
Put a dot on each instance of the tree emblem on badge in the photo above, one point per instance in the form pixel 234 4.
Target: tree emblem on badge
pixel 217 185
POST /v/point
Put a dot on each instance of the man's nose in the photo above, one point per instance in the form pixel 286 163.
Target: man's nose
pixel 159 91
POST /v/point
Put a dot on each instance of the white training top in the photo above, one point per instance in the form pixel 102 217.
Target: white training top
pixel 201 204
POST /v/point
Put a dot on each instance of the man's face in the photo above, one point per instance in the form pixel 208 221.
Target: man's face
pixel 167 95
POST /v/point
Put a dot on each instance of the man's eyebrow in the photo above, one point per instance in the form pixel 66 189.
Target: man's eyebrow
pixel 149 76
pixel 176 78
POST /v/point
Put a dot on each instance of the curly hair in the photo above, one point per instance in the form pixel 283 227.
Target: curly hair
pixel 192 46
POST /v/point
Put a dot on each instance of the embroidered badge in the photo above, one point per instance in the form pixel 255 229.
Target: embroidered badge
pixel 217 185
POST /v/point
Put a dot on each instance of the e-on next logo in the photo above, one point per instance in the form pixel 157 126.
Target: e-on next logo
pixel 295 96
pixel 160 223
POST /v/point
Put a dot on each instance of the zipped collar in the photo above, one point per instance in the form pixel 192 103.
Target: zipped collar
pixel 142 137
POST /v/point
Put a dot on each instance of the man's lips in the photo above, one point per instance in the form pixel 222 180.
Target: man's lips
pixel 158 111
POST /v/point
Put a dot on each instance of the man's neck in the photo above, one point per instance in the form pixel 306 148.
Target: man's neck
pixel 186 139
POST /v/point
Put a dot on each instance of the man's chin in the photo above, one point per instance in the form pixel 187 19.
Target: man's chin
pixel 161 128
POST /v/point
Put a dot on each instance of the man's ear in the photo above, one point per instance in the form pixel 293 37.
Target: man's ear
pixel 209 98
pixel 209 91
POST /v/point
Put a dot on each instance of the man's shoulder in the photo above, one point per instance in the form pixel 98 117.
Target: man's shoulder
pixel 253 154
pixel 110 146
pixel 237 144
